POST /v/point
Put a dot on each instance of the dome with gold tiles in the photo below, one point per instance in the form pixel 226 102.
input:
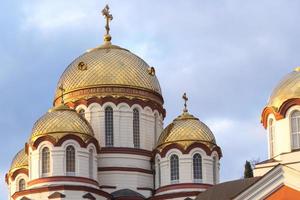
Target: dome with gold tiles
pixel 20 161
pixel 109 70
pixel 288 88
pixel 186 130
pixel 61 121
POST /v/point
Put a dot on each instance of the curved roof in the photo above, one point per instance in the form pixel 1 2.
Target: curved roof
pixel 288 88
pixel 108 66
pixel 185 130
pixel 19 161
pixel 59 122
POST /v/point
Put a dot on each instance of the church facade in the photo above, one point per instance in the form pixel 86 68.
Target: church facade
pixel 104 137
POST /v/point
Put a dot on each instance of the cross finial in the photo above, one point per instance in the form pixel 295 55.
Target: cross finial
pixel 62 90
pixel 108 17
pixel 185 98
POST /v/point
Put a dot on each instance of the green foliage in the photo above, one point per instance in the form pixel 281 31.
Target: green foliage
pixel 248 173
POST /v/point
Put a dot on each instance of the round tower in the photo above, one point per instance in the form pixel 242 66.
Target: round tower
pixel 119 94
pixel 186 158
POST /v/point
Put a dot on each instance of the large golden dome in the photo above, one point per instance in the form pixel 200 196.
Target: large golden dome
pixel 184 131
pixel 61 121
pixel 109 70
pixel 19 161
pixel 288 88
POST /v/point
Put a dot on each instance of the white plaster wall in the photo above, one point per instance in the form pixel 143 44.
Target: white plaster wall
pixel 283 138
pixel 186 167
pixel 57 160
pixel 123 131
pixel 127 180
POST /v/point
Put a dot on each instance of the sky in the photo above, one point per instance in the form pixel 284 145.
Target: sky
pixel 227 55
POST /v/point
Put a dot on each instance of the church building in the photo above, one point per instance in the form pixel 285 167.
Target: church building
pixel 104 139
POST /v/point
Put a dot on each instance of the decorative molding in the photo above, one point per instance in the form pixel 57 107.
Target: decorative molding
pixel 125 169
pixel 62 179
pixel 56 195
pixel 208 151
pixel 183 186
pixel 62 187
pixel 125 150
pixel 17 172
pixel 108 187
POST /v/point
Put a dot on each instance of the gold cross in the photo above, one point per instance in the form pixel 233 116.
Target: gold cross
pixel 185 98
pixel 62 90
pixel 108 17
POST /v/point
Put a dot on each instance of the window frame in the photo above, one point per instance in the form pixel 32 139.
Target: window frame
pixel 45 161
pixel 136 128
pixel 295 134
pixel 174 169
pixel 199 171
pixel 109 126
pixel 70 160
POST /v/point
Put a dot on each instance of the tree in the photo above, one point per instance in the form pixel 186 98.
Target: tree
pixel 248 173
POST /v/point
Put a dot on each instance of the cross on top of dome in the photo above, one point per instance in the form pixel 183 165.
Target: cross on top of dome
pixel 108 17
pixel 185 98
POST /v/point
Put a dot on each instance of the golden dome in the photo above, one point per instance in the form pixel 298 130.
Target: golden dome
pixel 19 161
pixel 185 130
pixel 288 88
pixel 99 70
pixel 61 121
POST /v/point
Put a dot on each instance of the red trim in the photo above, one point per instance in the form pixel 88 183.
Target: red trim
pixel 65 138
pixel 42 139
pixel 174 195
pixel 125 169
pixel 61 187
pixel 19 171
pixel 281 113
pixel 183 186
pixel 165 150
pixel 143 103
pixel 126 150
pixel 61 179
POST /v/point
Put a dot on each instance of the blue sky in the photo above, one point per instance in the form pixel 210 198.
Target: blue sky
pixel 227 55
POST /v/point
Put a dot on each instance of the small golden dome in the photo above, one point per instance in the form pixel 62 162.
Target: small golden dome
pixel 19 161
pixel 185 130
pixel 61 121
pixel 106 67
pixel 288 88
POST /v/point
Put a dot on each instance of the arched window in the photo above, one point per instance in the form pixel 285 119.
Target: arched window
pixel 91 163
pixel 136 128
pixel 45 161
pixel 197 168
pixel 109 127
pixel 158 172
pixel 272 137
pixel 215 169
pixel 22 185
pixel 70 160
pixel 295 129
pixel 82 112
pixel 174 163
pixel 155 127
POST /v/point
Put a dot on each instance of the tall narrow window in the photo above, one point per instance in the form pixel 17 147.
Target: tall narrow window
pixel 91 163
pixel 295 129
pixel 45 161
pixel 155 127
pixel 215 169
pixel 158 172
pixel 109 127
pixel 271 137
pixel 197 168
pixel 70 160
pixel 22 185
pixel 174 163
pixel 136 128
